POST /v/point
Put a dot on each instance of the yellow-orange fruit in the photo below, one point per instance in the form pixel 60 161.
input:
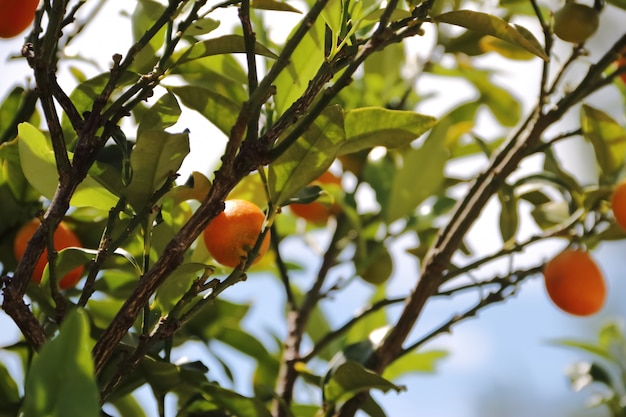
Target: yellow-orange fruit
pixel 64 237
pixel 234 231
pixel 618 204
pixel 316 212
pixel 575 283
pixel 16 16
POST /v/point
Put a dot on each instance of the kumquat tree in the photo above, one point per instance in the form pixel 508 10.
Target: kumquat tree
pixel 321 148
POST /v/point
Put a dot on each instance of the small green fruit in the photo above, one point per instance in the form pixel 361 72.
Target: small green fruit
pixel 576 23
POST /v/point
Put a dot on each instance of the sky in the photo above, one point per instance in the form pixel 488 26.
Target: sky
pixel 500 363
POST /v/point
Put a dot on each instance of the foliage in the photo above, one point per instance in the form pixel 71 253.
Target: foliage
pixel 607 371
pixel 101 152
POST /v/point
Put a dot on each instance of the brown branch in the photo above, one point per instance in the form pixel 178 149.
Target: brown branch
pixel 511 280
pixel 297 321
pixel 504 162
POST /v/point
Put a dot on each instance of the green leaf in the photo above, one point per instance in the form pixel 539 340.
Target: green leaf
pixel 506 49
pixel 208 323
pixel 216 108
pixel 68 259
pixel 60 381
pixel 586 347
pixel 492 25
pixel 277 5
pixel 9 392
pixel 12 176
pixel 303 65
pixel 309 157
pixel 39 167
pixel 178 283
pixel 499 100
pixel 618 3
pixel 163 114
pixel 375 126
pixel 221 74
pixel 85 93
pixel 451 127
pixel 165 377
pixel 375 265
pixel 608 139
pixel 419 176
pixel 238 405
pixel 351 378
pixel 416 362
pixel 551 214
pixel 243 341
pixel 227 44
pixel 103 311
pixel 18 106
pixel 202 27
pixel 509 217
pixel 128 406
pixel 156 155
pixel 145 14
pixel 333 16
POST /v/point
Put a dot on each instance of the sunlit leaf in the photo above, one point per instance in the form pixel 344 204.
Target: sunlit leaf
pixel 67 260
pixel 85 93
pixel 216 108
pixel 307 158
pixel 12 175
pixel 509 217
pixel 164 377
pixel 451 128
pixel 416 362
pixel 144 15
pixel 303 65
pixel 419 176
pixel 39 166
pixel 506 49
pixel 500 101
pixel 374 126
pixel 227 44
pixel 18 106
pixel 103 311
pixel 128 406
pixel 585 347
pixel 277 5
pixel 202 27
pixel 196 188
pixel 211 319
pixel 226 400
pixel 351 378
pixel 163 114
pixel 221 74
pixel 492 25
pixel 551 214
pixel 156 155
pixel 611 335
pixel 608 139
pixel 9 392
pixel 178 283
pixel 333 16
pixel 60 381
pixel 467 43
